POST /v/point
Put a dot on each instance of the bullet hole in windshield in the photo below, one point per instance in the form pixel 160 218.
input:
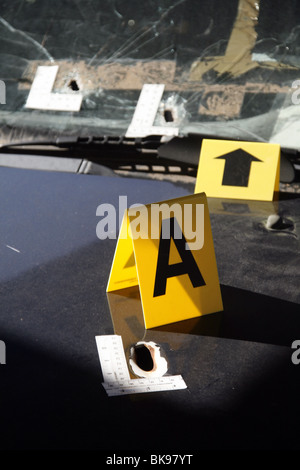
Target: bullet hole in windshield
pixel 168 115
pixel 73 85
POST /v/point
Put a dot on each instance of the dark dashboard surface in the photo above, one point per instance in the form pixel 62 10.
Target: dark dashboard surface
pixel 242 386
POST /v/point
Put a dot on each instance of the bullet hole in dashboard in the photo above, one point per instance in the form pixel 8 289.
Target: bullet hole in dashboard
pixel 143 357
pixel 146 360
pixel 277 222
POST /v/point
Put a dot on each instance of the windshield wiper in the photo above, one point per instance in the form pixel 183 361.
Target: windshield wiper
pixel 115 153
pixel 176 155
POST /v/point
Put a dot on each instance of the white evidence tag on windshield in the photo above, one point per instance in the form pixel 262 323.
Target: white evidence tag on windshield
pixel 116 377
pixel 145 112
pixel 41 95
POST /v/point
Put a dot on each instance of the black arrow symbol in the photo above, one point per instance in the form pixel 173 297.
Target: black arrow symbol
pixel 237 167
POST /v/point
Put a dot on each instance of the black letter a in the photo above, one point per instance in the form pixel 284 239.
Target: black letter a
pixel 165 270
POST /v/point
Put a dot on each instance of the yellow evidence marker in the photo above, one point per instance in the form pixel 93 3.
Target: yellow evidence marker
pixel 167 250
pixel 238 170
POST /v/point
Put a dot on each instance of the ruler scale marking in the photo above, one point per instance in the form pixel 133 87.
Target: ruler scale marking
pixel 116 377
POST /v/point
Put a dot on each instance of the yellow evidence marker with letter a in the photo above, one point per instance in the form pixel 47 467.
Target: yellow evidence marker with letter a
pixel 167 249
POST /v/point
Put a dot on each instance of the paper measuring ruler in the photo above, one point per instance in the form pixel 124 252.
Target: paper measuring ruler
pixel 116 377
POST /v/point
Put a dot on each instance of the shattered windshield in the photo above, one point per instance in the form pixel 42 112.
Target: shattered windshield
pixel 161 67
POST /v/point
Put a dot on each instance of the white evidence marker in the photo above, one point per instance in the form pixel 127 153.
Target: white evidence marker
pixel 42 97
pixel 145 112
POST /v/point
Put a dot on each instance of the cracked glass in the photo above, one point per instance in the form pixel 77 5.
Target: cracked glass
pixel 228 69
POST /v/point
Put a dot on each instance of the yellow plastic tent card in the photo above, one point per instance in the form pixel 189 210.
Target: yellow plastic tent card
pixel 238 170
pixel 167 249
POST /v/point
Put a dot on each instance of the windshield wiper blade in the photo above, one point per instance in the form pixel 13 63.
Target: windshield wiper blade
pixel 67 141
pixel 146 154
pixel 116 153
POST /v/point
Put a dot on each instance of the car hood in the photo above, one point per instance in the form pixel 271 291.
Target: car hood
pixel 242 387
